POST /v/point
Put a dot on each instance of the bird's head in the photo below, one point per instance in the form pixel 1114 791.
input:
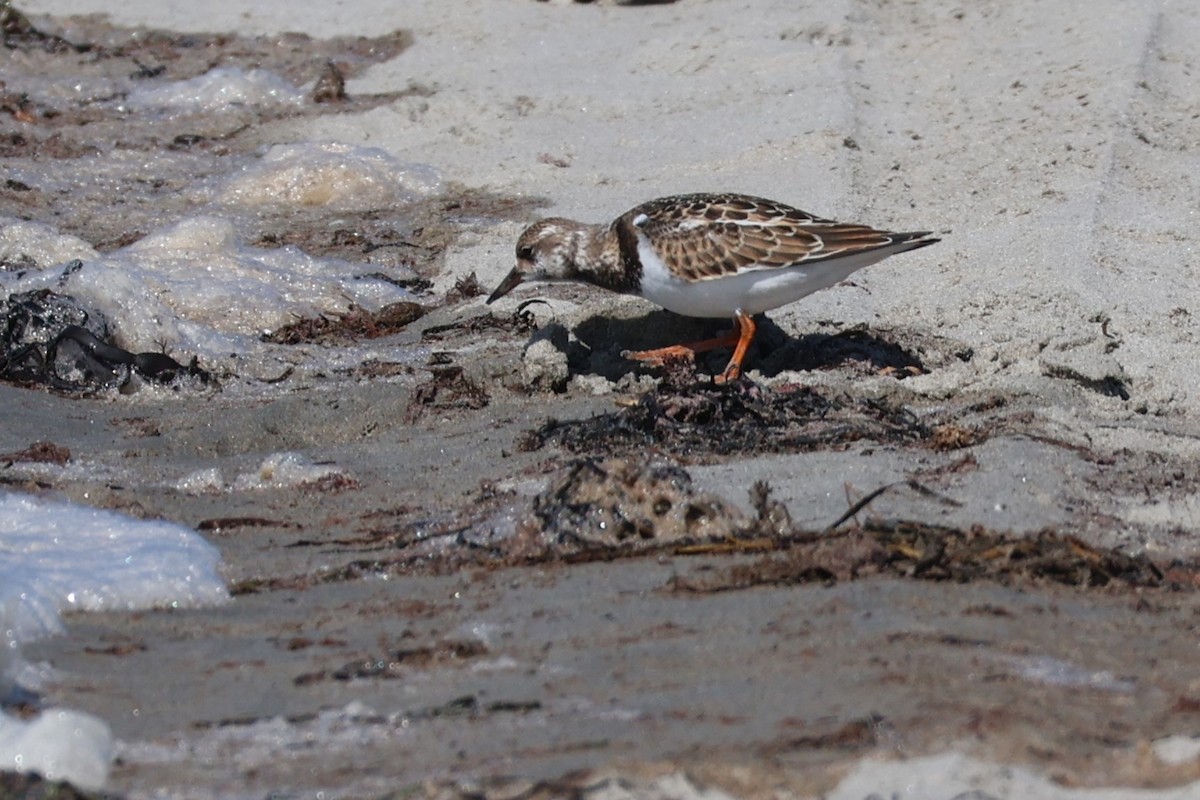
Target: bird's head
pixel 545 252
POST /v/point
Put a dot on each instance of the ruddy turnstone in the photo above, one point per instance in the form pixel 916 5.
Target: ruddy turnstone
pixel 705 255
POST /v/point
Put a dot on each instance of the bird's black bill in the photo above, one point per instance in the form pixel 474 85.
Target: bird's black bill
pixel 509 283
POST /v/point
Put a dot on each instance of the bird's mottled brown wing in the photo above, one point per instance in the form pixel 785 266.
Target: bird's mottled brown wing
pixel 710 235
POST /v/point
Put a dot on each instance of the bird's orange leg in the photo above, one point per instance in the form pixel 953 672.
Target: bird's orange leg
pixel 733 370
pixel 660 355
pixel 740 338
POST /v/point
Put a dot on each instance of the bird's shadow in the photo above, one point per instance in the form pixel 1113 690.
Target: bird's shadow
pixel 602 339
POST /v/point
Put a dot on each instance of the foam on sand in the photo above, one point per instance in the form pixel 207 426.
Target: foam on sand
pixel 331 175
pixel 956 775
pixel 57 556
pixel 217 89
pixel 193 288
pixel 60 745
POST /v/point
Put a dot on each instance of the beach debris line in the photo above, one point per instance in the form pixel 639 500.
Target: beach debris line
pixel 357 323
pixel 520 321
pixel 923 551
pixel 40 452
pixel 626 507
pixel 602 509
pixel 697 422
pixel 467 706
pixel 401 663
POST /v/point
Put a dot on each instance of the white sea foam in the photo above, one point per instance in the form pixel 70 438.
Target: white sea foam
pixel 216 90
pixel 43 244
pixel 277 471
pixel 57 556
pixel 330 175
pixel 281 470
pixel 193 288
pixel 953 774
pixel 1057 672
pixel 202 481
pixel 1177 749
pixel 59 745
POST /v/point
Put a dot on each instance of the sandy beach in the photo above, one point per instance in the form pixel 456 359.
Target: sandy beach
pixel 440 605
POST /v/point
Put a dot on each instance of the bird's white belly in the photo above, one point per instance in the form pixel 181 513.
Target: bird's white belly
pixel 752 291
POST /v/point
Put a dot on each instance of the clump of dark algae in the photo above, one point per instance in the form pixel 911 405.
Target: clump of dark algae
pixel 49 339
pixel 698 422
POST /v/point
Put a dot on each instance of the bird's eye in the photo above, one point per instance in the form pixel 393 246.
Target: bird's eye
pixel 525 254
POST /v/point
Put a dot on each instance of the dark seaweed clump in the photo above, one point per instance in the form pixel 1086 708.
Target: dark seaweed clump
pixel 705 420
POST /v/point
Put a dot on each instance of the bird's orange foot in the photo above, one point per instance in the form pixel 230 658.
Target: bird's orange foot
pixel 732 373
pixel 662 355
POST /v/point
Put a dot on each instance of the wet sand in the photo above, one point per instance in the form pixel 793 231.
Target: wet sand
pixel 473 666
